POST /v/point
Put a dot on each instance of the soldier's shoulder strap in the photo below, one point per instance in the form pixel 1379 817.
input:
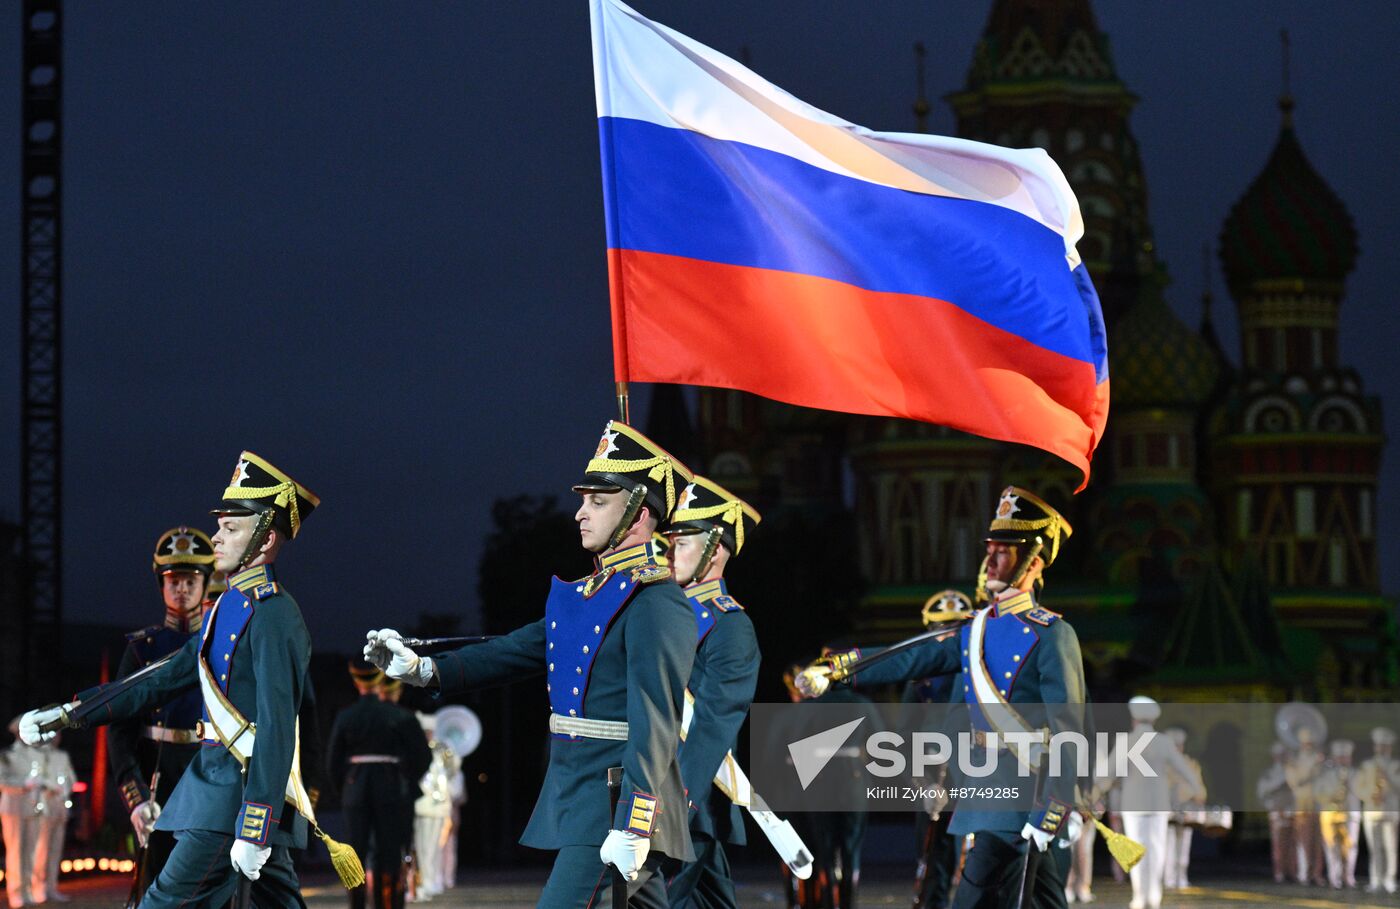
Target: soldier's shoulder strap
pixel 726 603
pixel 650 574
pixel 141 634
pixel 1042 616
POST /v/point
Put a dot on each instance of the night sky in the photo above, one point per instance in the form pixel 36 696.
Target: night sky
pixel 366 242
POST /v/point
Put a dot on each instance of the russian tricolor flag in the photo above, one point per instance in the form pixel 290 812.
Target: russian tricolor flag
pixel 757 243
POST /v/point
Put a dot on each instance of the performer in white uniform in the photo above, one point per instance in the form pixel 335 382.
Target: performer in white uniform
pixel 1339 815
pixel 1378 787
pixel 1188 795
pixel 433 814
pixel 1277 798
pixel 1146 800
pixel 1302 770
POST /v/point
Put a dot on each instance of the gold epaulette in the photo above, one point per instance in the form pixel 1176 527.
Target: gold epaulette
pixel 650 574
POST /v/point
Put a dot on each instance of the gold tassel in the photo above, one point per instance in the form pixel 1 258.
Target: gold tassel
pixel 1125 852
pixel 344 860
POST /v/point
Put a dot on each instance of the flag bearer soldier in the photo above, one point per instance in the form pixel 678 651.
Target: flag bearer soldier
pixel 1028 655
pixel 376 756
pixel 160 743
pixel 1378 786
pixel 616 649
pixel 232 812
pixel 945 611
pixel 708 529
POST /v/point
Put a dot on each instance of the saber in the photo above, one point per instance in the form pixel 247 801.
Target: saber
pixel 431 643
pixel 862 663
pixel 73 717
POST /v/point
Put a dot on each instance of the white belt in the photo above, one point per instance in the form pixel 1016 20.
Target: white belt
pixel 172 736
pixel 373 759
pixel 588 729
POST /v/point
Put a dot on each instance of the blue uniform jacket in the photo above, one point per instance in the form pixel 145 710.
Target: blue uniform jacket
pixel 258 648
pixel 722 682
pixel 617 645
pixel 1033 654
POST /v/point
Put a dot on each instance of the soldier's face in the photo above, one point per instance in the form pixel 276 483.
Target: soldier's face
pixel 598 516
pixel 232 539
pixel 686 549
pixel 183 591
pixel 1001 562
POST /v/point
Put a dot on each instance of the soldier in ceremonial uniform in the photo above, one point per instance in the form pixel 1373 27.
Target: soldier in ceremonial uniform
pixel 1378 787
pixel 236 810
pixel 1028 655
pixel 377 754
pixel 945 611
pixel 157 746
pixel 616 649
pixel 707 529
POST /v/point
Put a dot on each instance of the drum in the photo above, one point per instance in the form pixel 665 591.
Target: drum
pixel 1218 821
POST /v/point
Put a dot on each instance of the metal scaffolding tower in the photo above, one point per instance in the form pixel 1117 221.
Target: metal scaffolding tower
pixel 41 422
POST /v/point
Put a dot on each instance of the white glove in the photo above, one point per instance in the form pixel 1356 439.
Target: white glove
pixel 1036 835
pixel 1074 826
pixel 813 681
pixel 143 819
pixel 29 724
pixel 626 850
pixel 375 651
pixel 248 859
pixel 407 665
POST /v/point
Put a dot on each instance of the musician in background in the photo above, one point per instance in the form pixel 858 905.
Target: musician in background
pixel 1302 770
pixel 1145 799
pixel 1339 815
pixel 35 783
pixel 1277 798
pixel 1188 795
pixel 1378 787
pixel 442 785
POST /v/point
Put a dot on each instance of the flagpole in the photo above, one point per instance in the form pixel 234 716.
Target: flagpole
pixel 622 403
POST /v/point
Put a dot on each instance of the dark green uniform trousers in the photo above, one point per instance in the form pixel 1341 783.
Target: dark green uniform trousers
pixel 992 877
pixel 198 875
pixel 706 882
pixel 580 880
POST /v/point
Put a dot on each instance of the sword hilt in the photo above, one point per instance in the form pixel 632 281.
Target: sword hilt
pixel 64 720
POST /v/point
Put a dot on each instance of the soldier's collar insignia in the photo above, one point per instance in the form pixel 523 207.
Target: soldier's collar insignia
pixel 706 590
pixel 1016 603
pixel 632 556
